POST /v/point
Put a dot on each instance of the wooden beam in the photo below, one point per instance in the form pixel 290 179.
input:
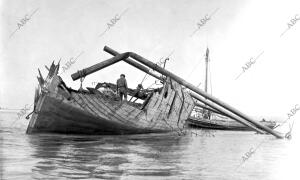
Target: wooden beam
pixel 99 66
pixel 228 114
pixel 209 109
pixel 202 93
pixel 135 64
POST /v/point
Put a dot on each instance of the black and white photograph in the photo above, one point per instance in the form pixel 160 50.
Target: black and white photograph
pixel 148 89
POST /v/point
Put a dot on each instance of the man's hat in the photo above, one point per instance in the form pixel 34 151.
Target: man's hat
pixel 123 75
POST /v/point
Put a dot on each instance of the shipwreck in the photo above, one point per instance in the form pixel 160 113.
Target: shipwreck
pixel 61 109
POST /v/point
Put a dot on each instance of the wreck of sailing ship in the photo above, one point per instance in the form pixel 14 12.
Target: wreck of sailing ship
pixel 60 109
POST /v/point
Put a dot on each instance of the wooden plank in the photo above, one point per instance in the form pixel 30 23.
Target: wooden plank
pixel 96 107
pixel 95 113
pixel 113 113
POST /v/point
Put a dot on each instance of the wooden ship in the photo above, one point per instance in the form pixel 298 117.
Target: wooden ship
pixel 223 124
pixel 207 118
pixel 60 109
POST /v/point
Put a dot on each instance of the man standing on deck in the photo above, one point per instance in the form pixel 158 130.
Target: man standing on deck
pixel 122 87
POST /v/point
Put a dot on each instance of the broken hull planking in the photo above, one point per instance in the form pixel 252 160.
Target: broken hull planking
pixel 92 113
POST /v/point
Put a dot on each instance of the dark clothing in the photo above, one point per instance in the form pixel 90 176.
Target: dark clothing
pixel 122 83
pixel 121 94
pixel 122 88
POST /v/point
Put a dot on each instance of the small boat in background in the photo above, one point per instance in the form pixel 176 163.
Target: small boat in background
pixel 224 124
pixel 205 117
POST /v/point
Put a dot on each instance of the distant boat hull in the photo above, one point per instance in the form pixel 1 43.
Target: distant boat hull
pixel 223 124
pixel 59 109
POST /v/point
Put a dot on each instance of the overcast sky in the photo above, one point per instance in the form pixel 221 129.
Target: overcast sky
pixel 238 31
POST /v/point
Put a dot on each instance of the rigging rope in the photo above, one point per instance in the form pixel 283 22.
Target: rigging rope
pixel 81 81
pixel 159 63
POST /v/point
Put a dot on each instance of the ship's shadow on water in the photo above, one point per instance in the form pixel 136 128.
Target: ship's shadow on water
pixel 107 157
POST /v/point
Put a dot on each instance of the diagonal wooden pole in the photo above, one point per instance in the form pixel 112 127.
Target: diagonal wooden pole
pixel 200 92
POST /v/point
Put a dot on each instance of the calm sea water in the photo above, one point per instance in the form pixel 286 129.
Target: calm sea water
pixel 150 156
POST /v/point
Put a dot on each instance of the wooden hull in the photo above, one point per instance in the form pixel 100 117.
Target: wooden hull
pixel 58 110
pixel 223 124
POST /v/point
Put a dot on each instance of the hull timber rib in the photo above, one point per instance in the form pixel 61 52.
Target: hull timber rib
pixel 59 109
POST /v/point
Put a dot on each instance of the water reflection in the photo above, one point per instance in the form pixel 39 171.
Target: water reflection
pixel 151 156
pixel 106 156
